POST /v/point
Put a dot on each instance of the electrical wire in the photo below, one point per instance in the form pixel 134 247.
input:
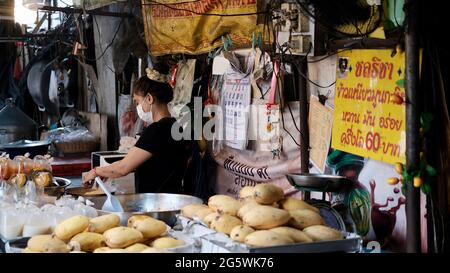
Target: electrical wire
pixel 311 81
pixel 169 6
pixel 109 45
pixel 292 115
pixel 267 23
pixel 289 133
pixel 316 84
pixel 328 56
pixel 282 54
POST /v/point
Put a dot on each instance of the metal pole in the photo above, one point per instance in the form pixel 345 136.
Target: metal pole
pixel 304 130
pixel 49 17
pixel 55 4
pixel 413 109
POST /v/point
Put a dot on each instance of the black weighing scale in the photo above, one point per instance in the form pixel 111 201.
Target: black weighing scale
pixel 334 212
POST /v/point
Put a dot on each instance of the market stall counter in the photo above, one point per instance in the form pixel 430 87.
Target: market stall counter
pixel 263 220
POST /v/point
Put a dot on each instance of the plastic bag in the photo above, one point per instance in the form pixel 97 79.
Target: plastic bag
pixel 71 118
pixel 8 168
pixel 71 134
pixel 37 223
pixel 12 223
pixel 42 163
pixel 4 189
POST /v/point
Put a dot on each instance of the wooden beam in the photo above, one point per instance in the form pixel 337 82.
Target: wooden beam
pixel 91 12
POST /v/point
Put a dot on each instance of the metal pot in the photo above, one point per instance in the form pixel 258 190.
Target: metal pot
pixel 16 125
pixel 162 206
pixel 58 187
pixel 22 147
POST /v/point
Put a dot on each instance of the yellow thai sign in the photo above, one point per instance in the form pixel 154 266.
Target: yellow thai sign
pixel 369 113
pixel 193 27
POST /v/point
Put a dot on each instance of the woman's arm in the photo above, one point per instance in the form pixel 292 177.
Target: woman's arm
pixel 129 163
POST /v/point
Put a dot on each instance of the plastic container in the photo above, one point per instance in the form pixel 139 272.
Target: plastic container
pixel 36 224
pixel 11 224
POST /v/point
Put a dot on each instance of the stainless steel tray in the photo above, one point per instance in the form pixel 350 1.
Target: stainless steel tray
pixel 318 182
pixel 82 191
pixel 14 245
pixel 162 206
pixel 221 243
pixel 349 245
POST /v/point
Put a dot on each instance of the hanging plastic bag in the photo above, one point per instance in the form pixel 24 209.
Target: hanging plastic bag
pixel 183 87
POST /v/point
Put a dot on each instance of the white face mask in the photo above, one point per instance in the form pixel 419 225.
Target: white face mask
pixel 145 116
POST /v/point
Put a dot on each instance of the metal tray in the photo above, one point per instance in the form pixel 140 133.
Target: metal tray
pixel 319 182
pixel 14 245
pixel 162 206
pixel 348 245
pixel 221 243
pixel 82 191
pixel 26 146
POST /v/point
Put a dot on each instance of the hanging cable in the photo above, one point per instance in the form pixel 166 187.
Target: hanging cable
pixel 311 81
pixel 292 115
pixel 329 55
pixel 109 45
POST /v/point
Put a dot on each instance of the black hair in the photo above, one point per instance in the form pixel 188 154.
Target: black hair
pixel 161 92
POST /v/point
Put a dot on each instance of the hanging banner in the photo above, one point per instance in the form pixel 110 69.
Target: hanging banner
pixel 180 26
pixel 369 113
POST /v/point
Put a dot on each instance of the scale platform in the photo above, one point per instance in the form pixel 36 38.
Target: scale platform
pixel 319 182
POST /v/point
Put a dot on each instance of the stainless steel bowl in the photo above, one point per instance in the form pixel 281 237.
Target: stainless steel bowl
pixel 162 206
pixel 58 187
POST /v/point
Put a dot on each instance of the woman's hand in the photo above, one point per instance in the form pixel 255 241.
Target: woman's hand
pixel 132 160
pixel 88 178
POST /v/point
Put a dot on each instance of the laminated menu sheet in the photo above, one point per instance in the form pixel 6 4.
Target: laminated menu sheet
pixel 320 126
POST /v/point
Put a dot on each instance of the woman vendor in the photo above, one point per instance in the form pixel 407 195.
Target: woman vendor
pixel 157 159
